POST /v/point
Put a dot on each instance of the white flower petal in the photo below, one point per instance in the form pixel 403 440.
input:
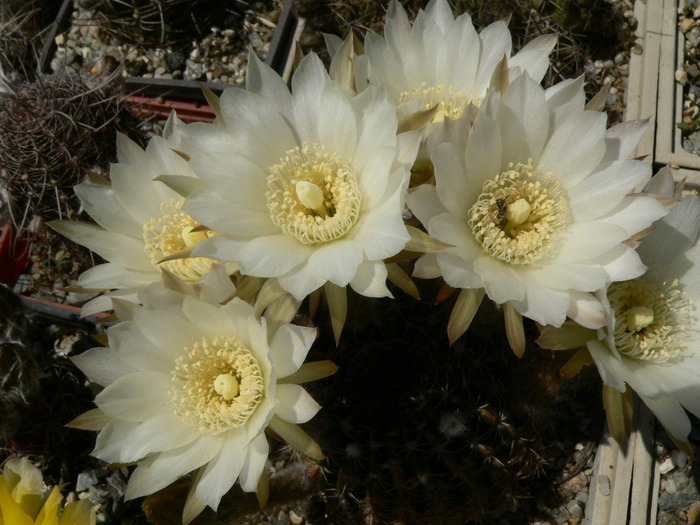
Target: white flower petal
pixel 295 404
pixel 424 203
pixel 113 275
pixel 588 240
pixel 124 398
pixel 257 131
pixel 586 310
pixel 289 348
pixel 308 83
pixel 101 203
pixel 671 415
pixel 222 471
pixel 337 129
pixel 602 191
pixel 370 279
pixel 495 44
pixel 159 471
pixel 123 441
pixel 254 464
pixel 427 267
pixel 544 305
pixel 673 235
pixel 501 282
pixel 337 262
pixel 271 256
pixel 621 263
pixel 136 191
pixel 575 148
pixel 266 82
pixel 113 246
pixel 484 153
pixel 634 214
pixel 533 58
pixel 623 138
pixel 523 120
pixel 102 365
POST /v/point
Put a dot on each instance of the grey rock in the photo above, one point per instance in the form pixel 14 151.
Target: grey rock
pixel 175 61
pixel 693 36
pixel 679 500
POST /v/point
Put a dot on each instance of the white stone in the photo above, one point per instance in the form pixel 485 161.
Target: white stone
pixel 666 465
pixel 681 77
pixel 687 24
pixel 680 458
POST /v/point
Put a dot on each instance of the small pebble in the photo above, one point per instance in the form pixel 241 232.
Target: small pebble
pixel 681 77
pixel 296 519
pixel 666 465
pixel 680 458
pixel 687 24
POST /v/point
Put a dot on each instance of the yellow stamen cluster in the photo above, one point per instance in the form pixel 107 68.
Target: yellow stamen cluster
pixel 451 102
pixel 518 214
pixel 652 318
pixel 171 233
pixel 313 195
pixel 217 385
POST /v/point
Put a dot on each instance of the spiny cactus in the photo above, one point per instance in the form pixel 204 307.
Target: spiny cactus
pixel 433 434
pixel 51 131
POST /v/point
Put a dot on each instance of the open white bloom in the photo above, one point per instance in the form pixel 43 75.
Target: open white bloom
pixel 193 385
pixel 533 195
pixel 652 341
pixel 442 61
pixel 306 187
pixel 140 221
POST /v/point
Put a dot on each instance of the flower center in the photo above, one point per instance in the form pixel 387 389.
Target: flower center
pixel 652 318
pixel 313 195
pixel 217 385
pixel 518 214
pixel 170 233
pixel 451 102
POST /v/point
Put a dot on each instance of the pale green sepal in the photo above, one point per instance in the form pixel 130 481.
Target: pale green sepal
pixel 417 120
pixel 96 178
pixel 568 336
pixel 463 312
pixel 401 279
pixel 93 419
pixel 213 101
pixel 296 437
pixel 500 78
pixel 282 311
pixel 618 412
pixel 263 490
pixel 181 184
pixel 338 305
pixel 342 68
pixel 248 288
pixel 424 243
pixel 582 357
pixel 310 372
pixel 597 103
pixel 269 293
pixel 173 282
pixel 514 329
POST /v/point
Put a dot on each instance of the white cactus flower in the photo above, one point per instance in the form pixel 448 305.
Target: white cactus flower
pixel 191 385
pixel 534 197
pixel 441 61
pixel 306 187
pixel 140 222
